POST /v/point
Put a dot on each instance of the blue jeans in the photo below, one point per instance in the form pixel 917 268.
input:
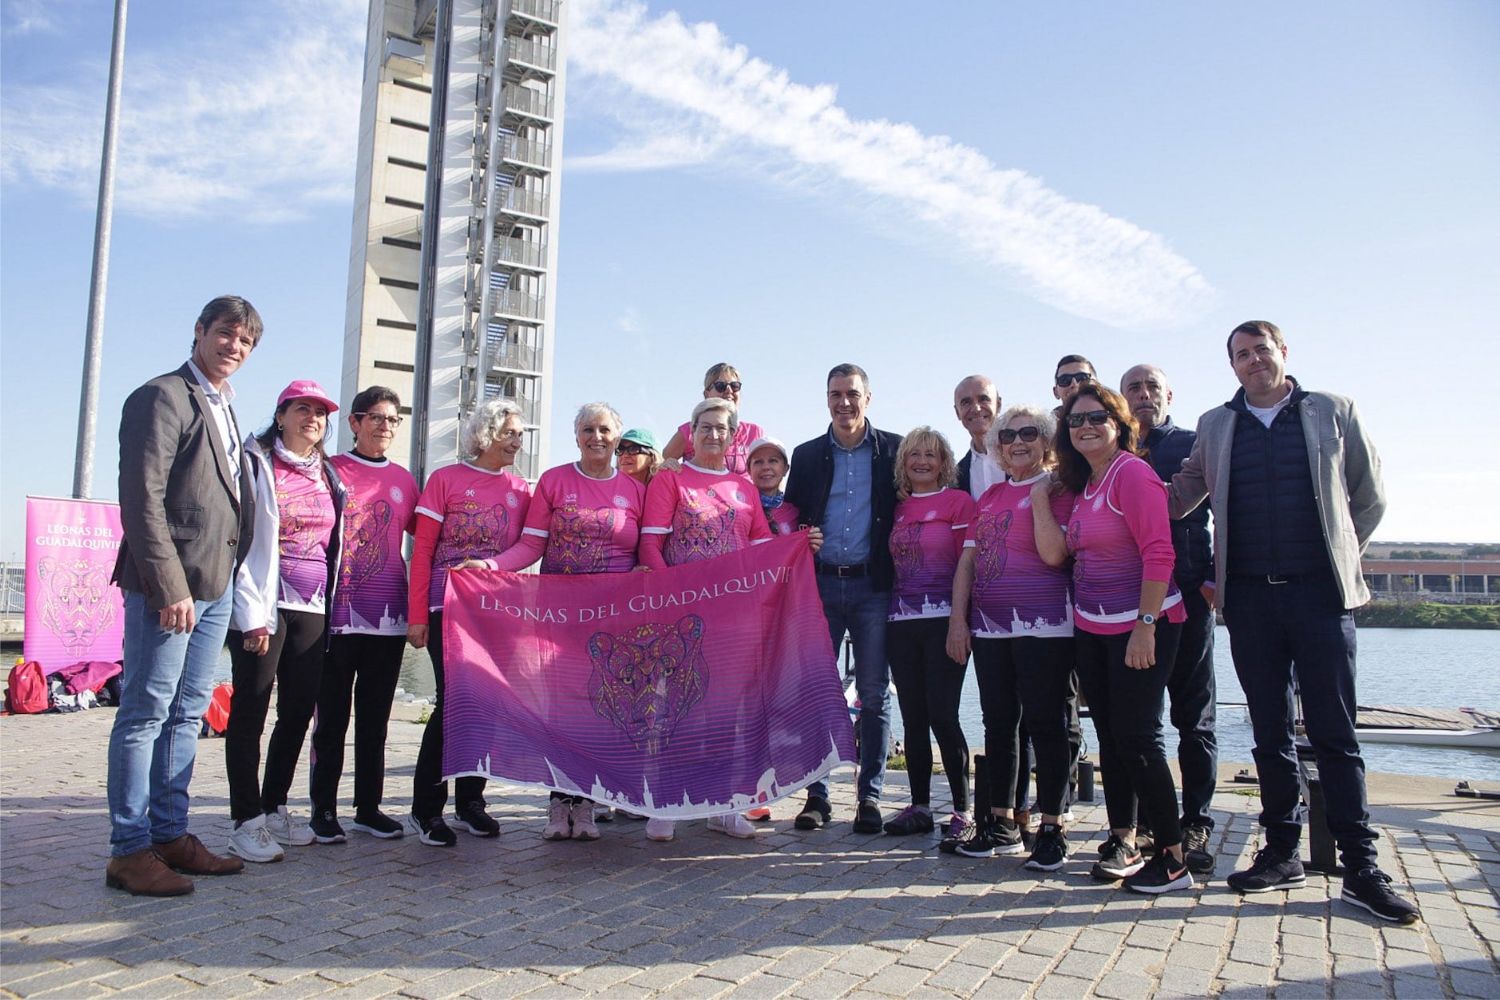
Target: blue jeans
pixel 164 692
pixel 855 606
pixel 1301 629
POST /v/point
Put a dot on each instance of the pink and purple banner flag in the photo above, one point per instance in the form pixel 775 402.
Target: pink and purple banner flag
pixel 694 691
pixel 72 611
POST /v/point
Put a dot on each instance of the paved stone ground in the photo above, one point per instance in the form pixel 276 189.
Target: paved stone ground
pixel 809 915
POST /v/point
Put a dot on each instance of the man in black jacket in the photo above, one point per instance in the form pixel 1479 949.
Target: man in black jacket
pixel 976 403
pixel 1191 685
pixel 844 483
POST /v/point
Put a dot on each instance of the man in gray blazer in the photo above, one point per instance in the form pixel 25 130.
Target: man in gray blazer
pixel 180 500
pixel 1294 483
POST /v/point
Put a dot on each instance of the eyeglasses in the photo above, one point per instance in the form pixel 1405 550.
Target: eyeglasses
pixel 391 421
pixel 721 386
pixel 631 448
pixel 1068 378
pixel 1096 417
pixel 1028 434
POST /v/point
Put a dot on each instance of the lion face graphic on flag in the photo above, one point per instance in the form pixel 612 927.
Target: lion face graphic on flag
pixel 647 678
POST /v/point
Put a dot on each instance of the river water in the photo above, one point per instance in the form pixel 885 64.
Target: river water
pixel 1426 668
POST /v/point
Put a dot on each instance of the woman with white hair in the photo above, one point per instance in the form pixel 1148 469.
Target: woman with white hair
pixel 585 517
pixel 472 510
pixel 698 512
pixel 1015 606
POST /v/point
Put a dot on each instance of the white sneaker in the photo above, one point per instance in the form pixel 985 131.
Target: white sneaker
pixel 284 831
pixel 253 842
pixel 582 815
pixel 733 825
pixel 660 829
pixel 557 827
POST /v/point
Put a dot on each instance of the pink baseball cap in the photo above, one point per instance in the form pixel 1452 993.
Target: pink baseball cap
pixel 306 388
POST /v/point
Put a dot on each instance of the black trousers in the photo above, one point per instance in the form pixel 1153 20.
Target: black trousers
pixel 1027 678
pixel 1301 630
pixel 928 687
pixel 429 792
pixel 360 671
pixel 293 663
pixel 1126 706
pixel 1192 691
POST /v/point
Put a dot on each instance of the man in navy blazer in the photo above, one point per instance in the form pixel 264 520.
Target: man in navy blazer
pixel 180 507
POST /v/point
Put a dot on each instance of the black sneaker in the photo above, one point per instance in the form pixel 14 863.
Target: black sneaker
pixel 1162 873
pixel 1370 889
pixel 1195 850
pixel 867 817
pixel 1271 869
pixel 471 818
pixel 325 827
pixel 960 833
pixel 910 820
pixel 816 813
pixel 1145 841
pixel 996 838
pixel 1117 860
pixel 1050 850
pixel 377 824
pixel 435 832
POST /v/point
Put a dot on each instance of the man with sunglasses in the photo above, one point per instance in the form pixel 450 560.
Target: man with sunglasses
pixel 1294 484
pixel 1073 372
pixel 1190 687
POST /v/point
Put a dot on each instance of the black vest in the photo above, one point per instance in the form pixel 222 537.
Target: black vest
pixel 1274 528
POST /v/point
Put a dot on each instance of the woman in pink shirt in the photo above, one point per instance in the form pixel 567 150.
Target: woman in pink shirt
pixel 698 512
pixel 927 535
pixel 721 381
pixel 472 510
pixel 1128 615
pixel 585 518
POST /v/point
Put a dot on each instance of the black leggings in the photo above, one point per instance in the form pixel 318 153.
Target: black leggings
pixel 1126 705
pixel 429 792
pixel 294 662
pixel 1032 678
pixel 928 687
pixel 361 670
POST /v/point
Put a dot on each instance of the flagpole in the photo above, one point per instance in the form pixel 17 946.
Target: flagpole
pixel 93 350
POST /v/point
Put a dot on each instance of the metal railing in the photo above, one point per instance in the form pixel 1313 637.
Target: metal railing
pixel 514 302
pixel 521 200
pixel 522 50
pixel 525 253
pixel 527 101
pixel 543 10
pixel 527 151
pixel 508 354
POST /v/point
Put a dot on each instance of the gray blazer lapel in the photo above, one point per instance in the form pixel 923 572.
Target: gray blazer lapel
pixel 227 475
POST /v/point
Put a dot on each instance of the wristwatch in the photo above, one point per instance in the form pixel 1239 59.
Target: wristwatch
pixel 1147 619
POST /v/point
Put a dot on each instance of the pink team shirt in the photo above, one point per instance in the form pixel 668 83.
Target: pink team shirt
pixel 783 519
pixel 590 525
pixel 702 514
pixel 927 535
pixel 480 513
pixel 1119 536
pixel 1016 593
pixel 737 455
pixel 379 508
pixel 306 513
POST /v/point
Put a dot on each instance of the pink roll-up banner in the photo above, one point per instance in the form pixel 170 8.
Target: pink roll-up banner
pixel 73 612
pixel 694 691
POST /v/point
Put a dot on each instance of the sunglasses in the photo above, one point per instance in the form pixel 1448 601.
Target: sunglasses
pixel 631 448
pixel 1063 381
pixel 1096 417
pixel 1027 434
pixel 721 386
pixel 379 418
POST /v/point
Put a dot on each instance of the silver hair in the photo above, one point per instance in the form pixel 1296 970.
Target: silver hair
pixel 593 411
pixel 1045 422
pixel 715 403
pixel 483 426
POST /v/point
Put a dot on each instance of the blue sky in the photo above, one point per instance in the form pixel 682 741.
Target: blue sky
pixel 787 186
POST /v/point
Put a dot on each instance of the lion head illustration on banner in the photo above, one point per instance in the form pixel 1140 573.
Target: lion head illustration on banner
pixel 647 678
pixel 76 605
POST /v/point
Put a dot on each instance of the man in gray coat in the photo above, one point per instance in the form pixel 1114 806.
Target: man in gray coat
pixel 1294 484
pixel 180 501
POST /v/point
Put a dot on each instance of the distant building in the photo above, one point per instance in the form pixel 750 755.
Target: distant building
pixel 499 106
pixel 1456 580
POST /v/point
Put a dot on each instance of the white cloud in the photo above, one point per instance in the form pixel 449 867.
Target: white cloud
pixel 261 124
pixel 712 98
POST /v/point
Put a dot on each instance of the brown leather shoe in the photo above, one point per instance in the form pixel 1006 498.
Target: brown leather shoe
pixel 188 855
pixel 144 874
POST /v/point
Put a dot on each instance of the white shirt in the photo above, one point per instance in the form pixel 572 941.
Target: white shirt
pixel 984 472
pixel 1267 414
pixel 218 405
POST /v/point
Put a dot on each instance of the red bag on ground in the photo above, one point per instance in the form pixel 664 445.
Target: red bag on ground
pixel 217 716
pixel 26 689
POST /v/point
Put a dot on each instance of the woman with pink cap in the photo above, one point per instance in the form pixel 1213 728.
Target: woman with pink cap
pixel 279 627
